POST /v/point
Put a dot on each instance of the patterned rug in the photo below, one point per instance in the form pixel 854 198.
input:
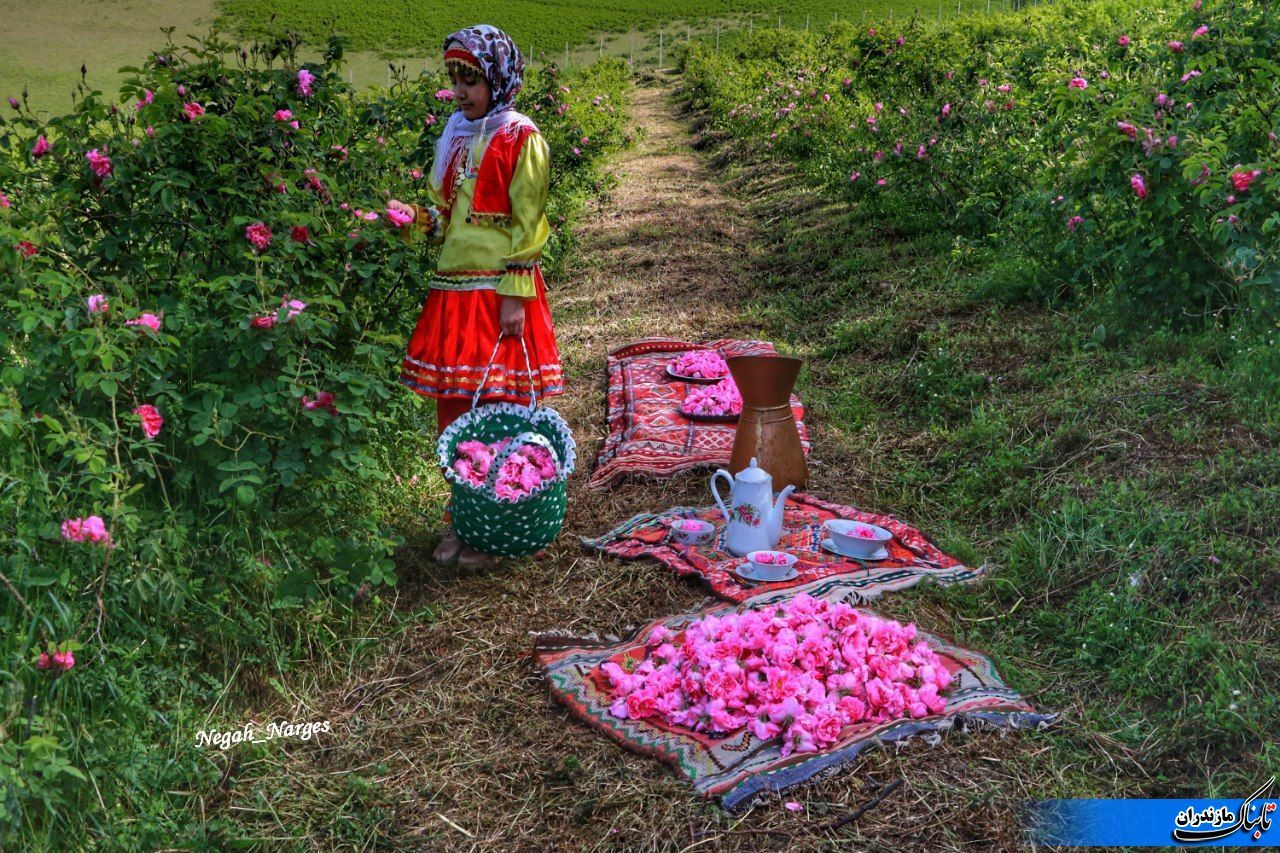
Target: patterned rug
pixel 647 434
pixel 740 770
pixel 911 559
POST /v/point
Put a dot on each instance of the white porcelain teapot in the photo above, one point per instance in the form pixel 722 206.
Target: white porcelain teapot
pixel 755 521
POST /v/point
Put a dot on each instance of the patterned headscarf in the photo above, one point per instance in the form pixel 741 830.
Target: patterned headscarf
pixel 500 61
pixel 493 54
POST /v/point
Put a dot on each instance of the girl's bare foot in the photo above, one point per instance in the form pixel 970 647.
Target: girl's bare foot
pixel 448 549
pixel 470 558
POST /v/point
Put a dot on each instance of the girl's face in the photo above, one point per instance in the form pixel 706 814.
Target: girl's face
pixel 470 92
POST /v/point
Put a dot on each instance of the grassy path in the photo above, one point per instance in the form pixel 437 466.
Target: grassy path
pixel 450 738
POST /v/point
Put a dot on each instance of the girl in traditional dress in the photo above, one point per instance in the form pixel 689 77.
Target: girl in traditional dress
pixel 488 195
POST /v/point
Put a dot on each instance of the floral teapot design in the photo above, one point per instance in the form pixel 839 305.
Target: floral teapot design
pixel 755 521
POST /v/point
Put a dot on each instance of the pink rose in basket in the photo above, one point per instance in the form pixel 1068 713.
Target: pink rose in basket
pixel 700 363
pixel 522 474
pixel 864 533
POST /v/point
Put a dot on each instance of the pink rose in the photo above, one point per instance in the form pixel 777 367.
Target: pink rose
pixel 99 162
pixel 148 320
pixel 151 420
pixel 259 235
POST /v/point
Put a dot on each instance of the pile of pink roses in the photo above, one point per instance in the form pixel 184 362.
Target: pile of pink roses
pixel 523 472
pixel 702 363
pixel 802 670
pixel 717 400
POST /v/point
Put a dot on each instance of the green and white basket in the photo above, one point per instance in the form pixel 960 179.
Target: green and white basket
pixel 481 520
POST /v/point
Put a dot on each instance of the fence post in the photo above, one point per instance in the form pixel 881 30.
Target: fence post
pixel 351 76
pixel 717 38
pixel 631 34
pixel 566 56
pixel 602 44
pixel 659 50
pixel 806 22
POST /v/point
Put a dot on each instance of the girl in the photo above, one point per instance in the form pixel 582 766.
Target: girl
pixel 488 194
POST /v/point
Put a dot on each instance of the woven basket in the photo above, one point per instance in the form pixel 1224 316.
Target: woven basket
pixel 481 520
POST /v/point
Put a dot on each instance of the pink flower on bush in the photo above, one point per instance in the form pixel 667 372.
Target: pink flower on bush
pixel 283 115
pixel 27 248
pixel 305 81
pixel 98 304
pixel 300 234
pixel 1176 46
pixel 881 182
pixel 263 321
pixel 4 201
pixel 1244 179
pixel 847 82
pixel 1200 31
pixel 182 90
pixel 1075 222
pixel 323 400
pixel 444 94
pixel 150 131
pixel 58 660
pixel 1004 88
pixel 920 153
pixel 99 162
pixel 1205 172
pixel 151 420
pixel 853 176
pixel 148 321
pixel 259 235
pixel 1078 83
pixel 291 308
pixel 429 120
pixel 1139 185
pixel 13 102
pixel 1192 73
pixel 1123 41
pixel 92 529
pixel 147 97
pixel 946 109
pixel 41 148
pixel 192 111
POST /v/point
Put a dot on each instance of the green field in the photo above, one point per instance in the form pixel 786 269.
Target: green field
pixel 43 50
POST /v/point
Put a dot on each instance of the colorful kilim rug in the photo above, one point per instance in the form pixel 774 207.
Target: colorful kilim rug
pixel 647 434
pixel 911 558
pixel 740 770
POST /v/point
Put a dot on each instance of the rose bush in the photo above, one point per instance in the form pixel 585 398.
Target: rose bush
pixel 1136 158
pixel 199 346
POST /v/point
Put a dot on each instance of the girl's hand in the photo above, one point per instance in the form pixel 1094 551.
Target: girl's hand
pixel 511 316
pixel 403 208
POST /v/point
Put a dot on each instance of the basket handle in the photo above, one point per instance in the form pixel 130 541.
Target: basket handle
pixel 495 467
pixel 533 394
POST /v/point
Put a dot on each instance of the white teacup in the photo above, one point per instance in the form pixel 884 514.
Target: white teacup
pixel 691 531
pixel 771 565
pixel 845 536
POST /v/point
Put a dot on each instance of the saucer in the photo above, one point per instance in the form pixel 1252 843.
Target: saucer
pixel 747 572
pixel 827 545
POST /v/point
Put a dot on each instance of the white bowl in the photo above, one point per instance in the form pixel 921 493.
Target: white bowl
pixel 845 538
pixel 771 571
pixel 691 537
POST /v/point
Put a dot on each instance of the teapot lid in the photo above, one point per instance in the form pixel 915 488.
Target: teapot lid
pixel 753 473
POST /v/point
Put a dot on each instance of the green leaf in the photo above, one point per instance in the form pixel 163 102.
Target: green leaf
pixel 246 494
pixel 108 386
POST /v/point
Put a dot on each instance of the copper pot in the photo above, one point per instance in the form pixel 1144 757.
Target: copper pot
pixel 767 428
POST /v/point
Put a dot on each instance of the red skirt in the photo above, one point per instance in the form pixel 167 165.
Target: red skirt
pixel 455 336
